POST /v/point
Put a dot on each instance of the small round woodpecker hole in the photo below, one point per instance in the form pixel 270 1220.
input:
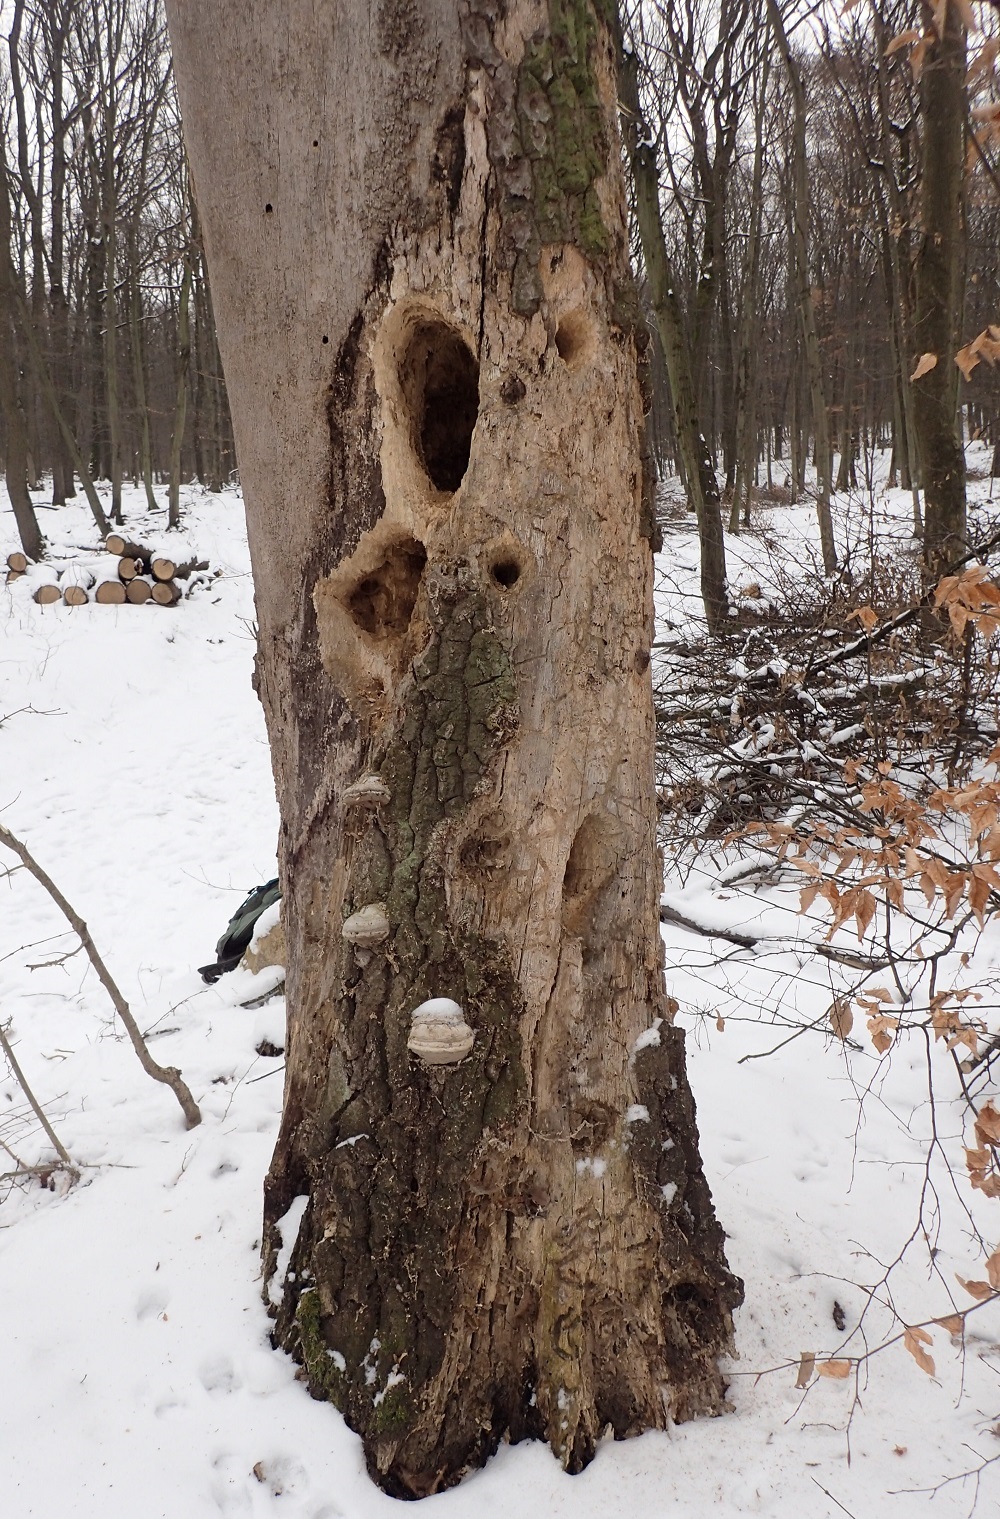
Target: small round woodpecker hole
pixel 506 573
pixel 269 207
pixel 440 381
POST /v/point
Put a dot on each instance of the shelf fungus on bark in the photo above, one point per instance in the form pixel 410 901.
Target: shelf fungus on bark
pixel 369 791
pixel 439 1034
pixel 366 928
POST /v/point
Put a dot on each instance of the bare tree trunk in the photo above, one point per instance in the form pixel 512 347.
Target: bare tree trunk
pixel 183 374
pixel 940 273
pixel 699 476
pixel 429 333
pixel 806 314
pixel 16 451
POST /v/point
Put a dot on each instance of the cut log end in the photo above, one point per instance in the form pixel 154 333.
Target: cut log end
pixel 17 562
pixel 75 596
pixel 138 592
pixel 47 594
pixel 110 593
pixel 165 593
pixel 162 569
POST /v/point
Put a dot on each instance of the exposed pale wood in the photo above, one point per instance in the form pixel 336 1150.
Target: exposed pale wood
pixel 165 593
pixel 110 593
pixel 18 562
pixel 162 569
pixel 75 595
pixel 116 543
pixel 129 567
pixel 48 593
pixel 138 591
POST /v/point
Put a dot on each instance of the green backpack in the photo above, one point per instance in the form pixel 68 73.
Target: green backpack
pixel 230 948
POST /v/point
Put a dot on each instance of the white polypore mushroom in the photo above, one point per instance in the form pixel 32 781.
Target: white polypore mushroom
pixel 369 791
pixel 439 1034
pixel 367 927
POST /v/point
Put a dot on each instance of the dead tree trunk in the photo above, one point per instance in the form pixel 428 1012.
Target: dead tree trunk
pixel 429 328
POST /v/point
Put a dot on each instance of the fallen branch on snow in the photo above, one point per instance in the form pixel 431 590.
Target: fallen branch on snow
pixel 169 1075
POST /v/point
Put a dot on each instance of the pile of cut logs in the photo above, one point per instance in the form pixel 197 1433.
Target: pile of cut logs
pixel 140 575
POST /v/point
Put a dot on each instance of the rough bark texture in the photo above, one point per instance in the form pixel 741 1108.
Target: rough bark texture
pixel 940 271
pixel 415 228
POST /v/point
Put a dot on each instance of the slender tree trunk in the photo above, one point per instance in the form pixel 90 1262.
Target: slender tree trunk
pixel 11 407
pixel 183 376
pixel 699 476
pixel 804 301
pixel 429 332
pixel 940 274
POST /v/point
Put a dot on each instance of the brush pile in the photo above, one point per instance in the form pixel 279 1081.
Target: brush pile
pixel 134 576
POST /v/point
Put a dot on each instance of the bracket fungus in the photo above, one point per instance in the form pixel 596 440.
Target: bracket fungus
pixel 439 1034
pixel 369 791
pixel 367 927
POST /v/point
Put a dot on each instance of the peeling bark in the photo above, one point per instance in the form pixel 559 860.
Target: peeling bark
pixel 430 339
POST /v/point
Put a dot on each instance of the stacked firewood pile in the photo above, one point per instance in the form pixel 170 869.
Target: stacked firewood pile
pixel 140 574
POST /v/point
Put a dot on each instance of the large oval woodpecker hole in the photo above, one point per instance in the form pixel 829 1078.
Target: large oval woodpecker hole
pixel 382 601
pixel 440 379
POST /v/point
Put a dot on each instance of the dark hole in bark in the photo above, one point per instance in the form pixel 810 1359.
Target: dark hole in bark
pixel 592 1125
pixel 325 338
pixel 382 602
pixel 440 378
pixel 269 207
pixel 574 339
pixel 506 572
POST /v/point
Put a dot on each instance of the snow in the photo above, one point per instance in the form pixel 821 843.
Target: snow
pixel 438 1007
pixel 137 1380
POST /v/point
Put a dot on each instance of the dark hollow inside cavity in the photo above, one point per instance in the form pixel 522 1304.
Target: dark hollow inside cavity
pixel 382 602
pixel 441 380
pixel 507 572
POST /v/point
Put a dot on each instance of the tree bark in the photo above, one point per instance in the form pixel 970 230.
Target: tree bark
pixel 414 223
pixel 940 269
pixel 11 407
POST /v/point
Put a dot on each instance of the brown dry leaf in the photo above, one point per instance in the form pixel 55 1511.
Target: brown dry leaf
pixel 917 57
pixel 806 1367
pixel 993 1270
pixel 952 1322
pixel 807 897
pixel 967 358
pixel 838 1370
pixel 899 1450
pixel 841 1019
pixel 979 1290
pixel 915 1340
pixel 988 1125
pixel 925 363
pixel 867 617
pixel 864 912
pixel 902 39
pixel 720 1024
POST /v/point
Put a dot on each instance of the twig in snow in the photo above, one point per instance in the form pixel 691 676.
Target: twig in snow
pixel 169 1075
pixel 36 1106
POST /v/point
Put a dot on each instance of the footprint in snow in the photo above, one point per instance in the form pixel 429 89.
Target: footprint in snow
pixel 152 1303
pixel 218 1374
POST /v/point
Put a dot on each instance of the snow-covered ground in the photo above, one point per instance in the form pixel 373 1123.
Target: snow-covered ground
pixel 136 1378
